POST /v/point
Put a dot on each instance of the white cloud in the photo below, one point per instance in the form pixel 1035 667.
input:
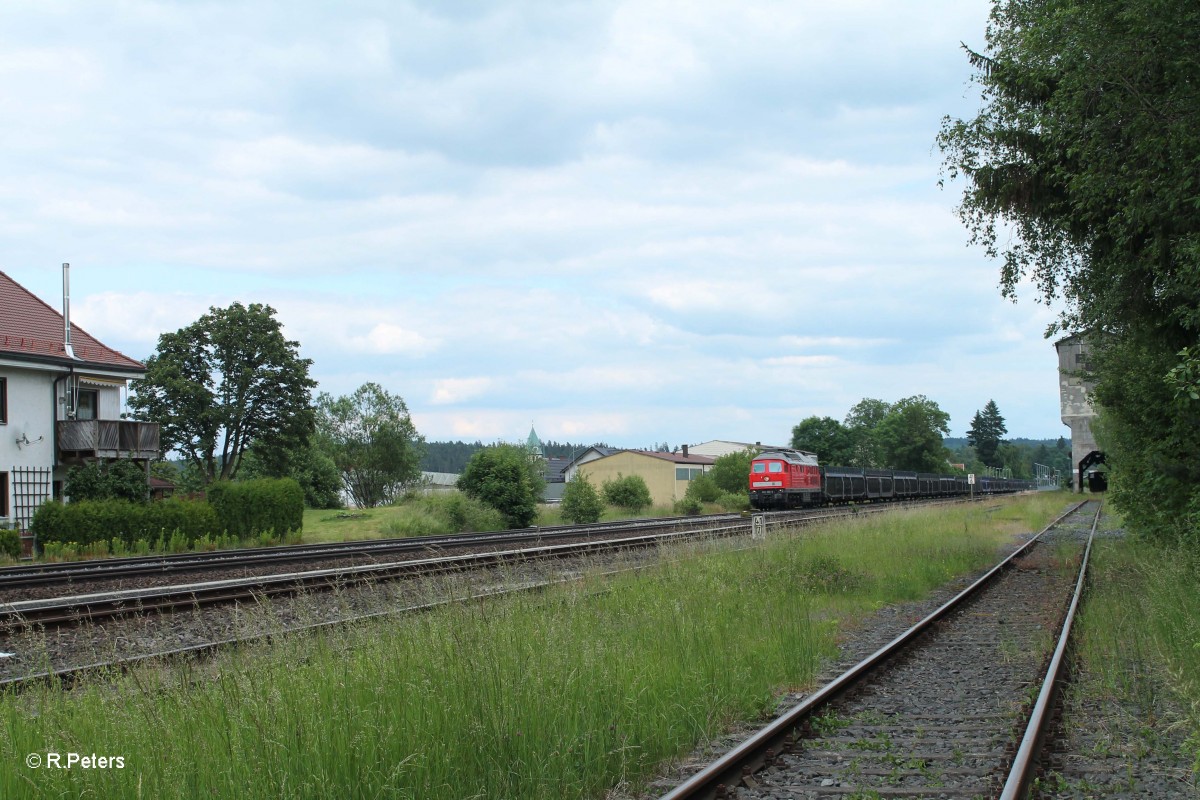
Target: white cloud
pixel 630 221
pixel 387 338
pixel 455 390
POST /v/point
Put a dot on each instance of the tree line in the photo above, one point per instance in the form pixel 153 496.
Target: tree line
pixel 233 397
pixel 905 435
pixel 910 434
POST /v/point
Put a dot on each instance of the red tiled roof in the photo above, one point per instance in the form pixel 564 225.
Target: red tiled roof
pixel 30 327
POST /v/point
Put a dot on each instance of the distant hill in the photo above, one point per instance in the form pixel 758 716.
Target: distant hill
pixel 959 442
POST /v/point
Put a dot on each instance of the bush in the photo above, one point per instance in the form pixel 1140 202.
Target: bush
pixel 703 489
pixel 687 505
pixel 507 479
pixel 734 501
pixel 87 522
pixel 628 492
pixel 252 508
pixel 581 503
pixel 10 544
pixel 452 512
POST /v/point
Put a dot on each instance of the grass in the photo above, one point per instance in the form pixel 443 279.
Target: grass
pixel 563 693
pixel 432 515
pixel 1140 629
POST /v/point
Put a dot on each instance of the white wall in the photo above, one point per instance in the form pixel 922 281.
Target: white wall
pixel 30 415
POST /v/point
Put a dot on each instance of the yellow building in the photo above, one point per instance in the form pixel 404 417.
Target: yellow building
pixel 666 474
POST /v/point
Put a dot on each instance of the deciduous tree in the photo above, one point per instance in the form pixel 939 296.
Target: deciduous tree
pixel 731 472
pixel 862 422
pixel 911 435
pixel 372 441
pixel 826 437
pixel 226 382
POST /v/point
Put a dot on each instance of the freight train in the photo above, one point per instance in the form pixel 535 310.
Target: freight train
pixel 794 479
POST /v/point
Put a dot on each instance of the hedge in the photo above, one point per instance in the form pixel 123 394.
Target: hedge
pixel 264 505
pixel 242 510
pixel 87 521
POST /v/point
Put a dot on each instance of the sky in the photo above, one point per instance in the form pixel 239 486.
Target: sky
pixel 619 221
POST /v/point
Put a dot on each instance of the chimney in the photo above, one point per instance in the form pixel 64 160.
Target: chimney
pixel 685 455
pixel 67 310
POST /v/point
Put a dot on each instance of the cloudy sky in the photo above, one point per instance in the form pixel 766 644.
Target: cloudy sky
pixel 629 221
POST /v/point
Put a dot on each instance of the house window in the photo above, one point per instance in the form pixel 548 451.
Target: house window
pixel 3 492
pixel 687 474
pixel 3 400
pixel 89 401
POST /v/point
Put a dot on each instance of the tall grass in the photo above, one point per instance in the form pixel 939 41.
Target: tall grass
pixel 1140 628
pixel 564 693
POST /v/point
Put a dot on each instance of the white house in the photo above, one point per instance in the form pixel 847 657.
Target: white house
pixel 60 402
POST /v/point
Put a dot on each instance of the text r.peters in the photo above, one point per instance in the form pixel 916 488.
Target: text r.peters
pixel 93 761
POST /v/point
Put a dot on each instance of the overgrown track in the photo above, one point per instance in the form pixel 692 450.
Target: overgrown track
pixel 29 581
pixel 23 575
pixel 937 713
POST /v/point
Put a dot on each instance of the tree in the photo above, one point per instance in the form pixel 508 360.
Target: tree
pixel 731 472
pixel 911 435
pixel 862 423
pixel 308 465
pixel 372 441
pixel 986 431
pixel 629 492
pixel 507 479
pixel 226 382
pixel 826 437
pixel 113 480
pixel 581 503
pixel 1080 170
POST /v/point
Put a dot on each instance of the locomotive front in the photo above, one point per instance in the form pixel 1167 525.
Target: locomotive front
pixel 784 479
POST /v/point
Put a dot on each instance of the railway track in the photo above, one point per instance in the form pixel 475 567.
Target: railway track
pixel 121 631
pixel 105 605
pixel 24 575
pixel 588 540
pixel 954 707
pixel 32 581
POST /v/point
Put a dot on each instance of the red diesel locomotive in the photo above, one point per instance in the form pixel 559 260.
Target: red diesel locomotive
pixel 785 479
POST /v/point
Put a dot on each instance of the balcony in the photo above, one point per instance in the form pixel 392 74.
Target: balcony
pixel 107 438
